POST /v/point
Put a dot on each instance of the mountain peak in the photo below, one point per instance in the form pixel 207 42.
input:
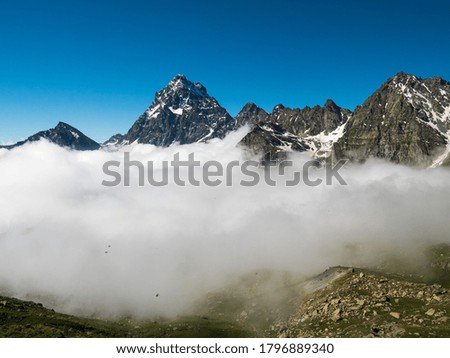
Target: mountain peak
pixel 182 112
pixel 403 77
pixel 249 106
pixel 251 114
pixel 181 85
pixel 330 104
pixel 63 135
pixel 278 107
pixel 406 121
pixel 179 76
pixel 178 81
pixel 63 125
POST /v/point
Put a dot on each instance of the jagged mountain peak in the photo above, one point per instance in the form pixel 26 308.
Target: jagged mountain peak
pixel 407 120
pixel 429 99
pixel 330 104
pixel 278 107
pixel 64 126
pixel 405 79
pixel 250 114
pixel 310 121
pixel 182 112
pixel 249 106
pixel 179 77
pixel 180 84
pixel 178 81
pixel 114 140
pixel 401 80
pixel 403 76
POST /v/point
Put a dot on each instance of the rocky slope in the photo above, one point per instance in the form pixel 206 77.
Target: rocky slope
pixel 395 299
pixel 407 121
pixel 370 304
pixel 272 141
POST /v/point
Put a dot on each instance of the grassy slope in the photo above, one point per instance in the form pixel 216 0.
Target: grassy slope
pixel 271 305
pixel 27 319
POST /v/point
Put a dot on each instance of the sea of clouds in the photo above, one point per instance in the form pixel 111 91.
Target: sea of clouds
pixel 84 248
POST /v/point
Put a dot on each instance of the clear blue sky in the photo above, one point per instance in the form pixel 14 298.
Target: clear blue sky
pixel 97 64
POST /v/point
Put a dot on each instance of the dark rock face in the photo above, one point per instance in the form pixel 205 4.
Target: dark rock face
pixel 272 141
pixel 287 130
pixel 63 135
pixel 251 114
pixel 406 121
pixel 183 113
pixel 310 121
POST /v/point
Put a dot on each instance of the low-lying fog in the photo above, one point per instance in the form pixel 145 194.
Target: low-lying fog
pixel 84 248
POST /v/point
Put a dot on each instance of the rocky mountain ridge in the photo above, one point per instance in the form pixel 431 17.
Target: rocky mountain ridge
pixel 406 121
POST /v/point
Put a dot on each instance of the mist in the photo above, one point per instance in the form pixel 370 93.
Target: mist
pixel 83 248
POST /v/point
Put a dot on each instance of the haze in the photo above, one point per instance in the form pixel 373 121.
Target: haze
pixel 83 248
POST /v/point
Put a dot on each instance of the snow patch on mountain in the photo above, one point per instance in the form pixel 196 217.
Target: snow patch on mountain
pixel 433 107
pixel 322 144
pixel 440 160
pixel 177 111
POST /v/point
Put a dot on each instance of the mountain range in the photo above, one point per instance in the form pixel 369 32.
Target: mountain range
pixel 405 121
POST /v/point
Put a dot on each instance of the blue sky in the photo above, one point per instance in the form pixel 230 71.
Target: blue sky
pixel 97 64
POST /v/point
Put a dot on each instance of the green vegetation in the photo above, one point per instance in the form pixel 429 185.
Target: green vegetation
pixel 395 299
pixel 27 319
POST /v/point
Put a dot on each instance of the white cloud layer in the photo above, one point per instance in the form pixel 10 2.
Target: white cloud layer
pixel 57 222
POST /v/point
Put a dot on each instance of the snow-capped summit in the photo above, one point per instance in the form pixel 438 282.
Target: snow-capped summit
pixel 180 83
pixel 182 112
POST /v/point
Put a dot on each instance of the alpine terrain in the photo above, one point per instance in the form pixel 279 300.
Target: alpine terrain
pixel 406 121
